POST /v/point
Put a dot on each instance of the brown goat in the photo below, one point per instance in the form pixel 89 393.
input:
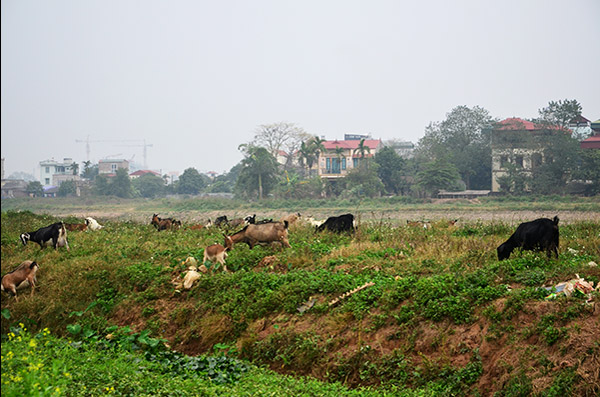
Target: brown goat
pixel 218 253
pixel 75 226
pixel 164 224
pixel 291 218
pixel 25 272
pixel 263 234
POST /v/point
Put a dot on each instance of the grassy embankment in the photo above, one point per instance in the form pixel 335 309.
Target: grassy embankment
pixel 443 315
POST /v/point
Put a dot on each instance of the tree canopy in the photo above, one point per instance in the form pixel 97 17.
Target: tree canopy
pixel 190 182
pixel 259 172
pixel 464 139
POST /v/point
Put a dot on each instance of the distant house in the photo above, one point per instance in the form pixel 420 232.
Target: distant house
pixel 139 173
pixel 110 166
pixel 592 142
pixel 339 157
pixel 53 172
pixel 14 188
pixel 519 142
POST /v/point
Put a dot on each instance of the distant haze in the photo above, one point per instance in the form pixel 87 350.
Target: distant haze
pixel 196 78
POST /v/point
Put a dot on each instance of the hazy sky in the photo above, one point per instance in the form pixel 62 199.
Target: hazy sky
pixel 196 78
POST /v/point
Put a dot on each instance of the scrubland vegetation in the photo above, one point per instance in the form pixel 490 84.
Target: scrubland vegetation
pixel 443 316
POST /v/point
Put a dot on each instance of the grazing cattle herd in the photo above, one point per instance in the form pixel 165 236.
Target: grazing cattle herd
pixel 539 235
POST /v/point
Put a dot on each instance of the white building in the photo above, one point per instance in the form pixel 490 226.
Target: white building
pixel 50 168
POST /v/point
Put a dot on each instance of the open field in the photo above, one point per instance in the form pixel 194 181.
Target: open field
pixel 439 314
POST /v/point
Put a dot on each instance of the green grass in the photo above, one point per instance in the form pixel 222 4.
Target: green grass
pixel 395 337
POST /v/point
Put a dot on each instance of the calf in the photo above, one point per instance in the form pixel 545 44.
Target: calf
pixel 92 224
pixel 18 278
pixel 538 235
pixel 338 224
pixel 75 226
pixel 55 234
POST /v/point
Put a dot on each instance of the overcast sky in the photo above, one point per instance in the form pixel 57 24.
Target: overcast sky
pixel 196 78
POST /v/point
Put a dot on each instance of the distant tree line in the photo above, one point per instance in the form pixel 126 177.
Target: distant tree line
pixel 453 154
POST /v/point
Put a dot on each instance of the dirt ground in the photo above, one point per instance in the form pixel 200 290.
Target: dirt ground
pixel 462 215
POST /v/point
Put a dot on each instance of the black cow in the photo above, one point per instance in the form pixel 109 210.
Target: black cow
pixel 55 235
pixel 338 224
pixel 538 235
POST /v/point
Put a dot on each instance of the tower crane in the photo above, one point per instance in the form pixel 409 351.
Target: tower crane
pixel 132 142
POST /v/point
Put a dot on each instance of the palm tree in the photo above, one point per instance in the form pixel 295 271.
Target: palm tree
pixel 339 152
pixel 259 163
pixel 362 149
pixel 75 168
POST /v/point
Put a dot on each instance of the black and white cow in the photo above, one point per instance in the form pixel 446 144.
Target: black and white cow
pixel 55 235
pixel 338 224
pixel 538 235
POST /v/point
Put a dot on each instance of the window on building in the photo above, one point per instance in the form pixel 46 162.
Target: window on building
pixel 343 163
pixel 335 166
pixel 47 181
pixel 113 167
pixel 47 170
pixel 355 163
pixel 328 164
pixel 519 161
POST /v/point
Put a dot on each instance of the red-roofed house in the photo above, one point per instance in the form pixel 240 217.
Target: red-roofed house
pixel 341 156
pixel 139 173
pixel 519 142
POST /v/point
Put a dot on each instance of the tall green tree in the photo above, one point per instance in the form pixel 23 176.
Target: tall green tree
pixel 391 170
pixel 35 189
pixel 259 171
pixel 464 139
pixel 120 184
pixel 190 182
pixel 362 149
pixel 588 170
pixel 559 113
pixel 90 171
pixel 67 188
pixel 364 182
pixel 101 186
pixel 149 185
pixel 562 156
pixel 310 151
pixel 436 175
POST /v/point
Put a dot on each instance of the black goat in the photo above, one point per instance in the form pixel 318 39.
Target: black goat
pixel 338 224
pixel 55 234
pixel 538 235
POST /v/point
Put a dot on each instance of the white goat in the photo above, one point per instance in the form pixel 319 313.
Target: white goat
pixel 92 224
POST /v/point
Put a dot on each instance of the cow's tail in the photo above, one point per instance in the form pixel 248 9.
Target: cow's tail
pixel 555 220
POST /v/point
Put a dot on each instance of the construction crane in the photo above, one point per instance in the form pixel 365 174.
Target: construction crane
pixel 140 142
